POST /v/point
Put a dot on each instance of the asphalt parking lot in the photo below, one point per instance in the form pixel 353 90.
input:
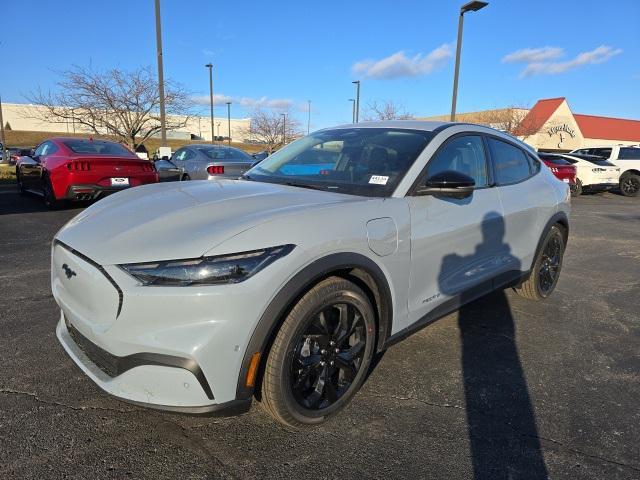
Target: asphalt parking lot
pixel 505 388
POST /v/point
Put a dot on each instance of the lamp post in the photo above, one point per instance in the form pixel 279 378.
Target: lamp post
pixel 357 104
pixel 2 142
pixel 353 110
pixel 163 128
pixel 229 123
pixel 210 67
pixel 284 129
pixel 473 6
pixel 309 118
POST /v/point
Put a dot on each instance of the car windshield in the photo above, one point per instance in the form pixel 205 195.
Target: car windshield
pixel 356 161
pixel 97 147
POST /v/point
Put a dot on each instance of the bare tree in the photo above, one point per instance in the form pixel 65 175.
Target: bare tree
pixel 514 120
pixel 385 110
pixel 114 102
pixel 268 127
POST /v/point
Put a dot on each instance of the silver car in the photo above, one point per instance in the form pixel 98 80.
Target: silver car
pixel 211 162
pixel 284 284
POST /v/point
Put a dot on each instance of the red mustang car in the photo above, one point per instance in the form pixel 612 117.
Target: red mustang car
pixel 562 169
pixel 62 169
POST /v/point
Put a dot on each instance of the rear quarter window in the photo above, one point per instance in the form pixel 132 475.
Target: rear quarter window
pixel 630 153
pixel 510 163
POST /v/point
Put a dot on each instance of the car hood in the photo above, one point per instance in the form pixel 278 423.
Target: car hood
pixel 182 219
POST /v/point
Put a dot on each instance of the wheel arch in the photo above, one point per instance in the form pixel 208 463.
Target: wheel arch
pixel 559 218
pixel 358 268
pixel 630 171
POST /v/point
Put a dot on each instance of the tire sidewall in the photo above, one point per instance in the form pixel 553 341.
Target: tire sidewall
pixel 553 231
pixel 303 318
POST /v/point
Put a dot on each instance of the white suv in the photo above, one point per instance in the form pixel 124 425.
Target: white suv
pixel 625 157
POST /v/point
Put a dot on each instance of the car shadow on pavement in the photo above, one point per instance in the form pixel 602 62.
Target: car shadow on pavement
pixel 501 422
pixel 11 202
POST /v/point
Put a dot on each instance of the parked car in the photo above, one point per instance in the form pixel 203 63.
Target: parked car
pixel 592 173
pixel 211 162
pixel 70 169
pixel 563 170
pixel 14 153
pixel 168 171
pixel 259 156
pixel 192 297
pixel 625 157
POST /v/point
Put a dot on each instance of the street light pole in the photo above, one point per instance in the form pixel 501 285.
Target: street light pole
pixel 229 123
pixel 163 126
pixel 2 142
pixel 210 67
pixel 473 6
pixel 353 110
pixel 284 129
pixel 309 118
pixel 357 104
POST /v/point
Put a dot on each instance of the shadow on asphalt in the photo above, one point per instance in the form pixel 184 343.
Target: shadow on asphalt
pixel 501 423
pixel 11 202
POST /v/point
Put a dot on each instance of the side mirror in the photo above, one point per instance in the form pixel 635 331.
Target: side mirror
pixel 32 152
pixel 448 184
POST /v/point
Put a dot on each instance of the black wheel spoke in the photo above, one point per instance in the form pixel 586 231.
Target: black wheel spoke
pixel 328 355
pixel 349 370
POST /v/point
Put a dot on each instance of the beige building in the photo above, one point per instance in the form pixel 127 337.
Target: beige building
pixel 21 117
pixel 551 125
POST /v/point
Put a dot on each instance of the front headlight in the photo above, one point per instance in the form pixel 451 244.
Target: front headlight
pixel 231 268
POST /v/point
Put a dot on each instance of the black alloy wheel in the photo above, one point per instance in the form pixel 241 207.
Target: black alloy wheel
pixel 328 356
pixel 630 185
pixel 550 265
pixel 321 354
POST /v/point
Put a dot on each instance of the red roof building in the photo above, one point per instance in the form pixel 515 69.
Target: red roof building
pixel 551 125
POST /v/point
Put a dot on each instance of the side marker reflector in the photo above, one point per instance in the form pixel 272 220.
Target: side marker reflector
pixel 253 369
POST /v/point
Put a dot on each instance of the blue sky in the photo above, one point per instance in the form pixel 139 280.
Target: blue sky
pixel 283 53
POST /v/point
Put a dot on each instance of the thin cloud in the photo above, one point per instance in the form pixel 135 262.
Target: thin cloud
pixel 208 53
pixel 538 62
pixel 247 102
pixel 534 55
pixel 399 65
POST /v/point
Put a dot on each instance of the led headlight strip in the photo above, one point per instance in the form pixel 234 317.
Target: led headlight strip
pixel 221 269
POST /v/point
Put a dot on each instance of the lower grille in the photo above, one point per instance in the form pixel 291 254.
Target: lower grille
pixel 101 358
pixel 113 365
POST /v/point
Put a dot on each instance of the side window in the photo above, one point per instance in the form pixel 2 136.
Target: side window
pixel 462 154
pixel 601 152
pixel 510 163
pixel 629 153
pixel 180 156
pixel 42 148
pixel 534 164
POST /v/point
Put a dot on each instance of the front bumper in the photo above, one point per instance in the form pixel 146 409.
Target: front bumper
pixel 152 380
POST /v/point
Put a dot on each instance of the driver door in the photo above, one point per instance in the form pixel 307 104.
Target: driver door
pixel 456 243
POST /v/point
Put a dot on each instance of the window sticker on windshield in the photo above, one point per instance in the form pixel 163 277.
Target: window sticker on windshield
pixel 378 180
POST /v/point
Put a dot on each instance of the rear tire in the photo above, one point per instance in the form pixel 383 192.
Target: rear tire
pixel 544 275
pixel 630 185
pixel 185 178
pixel 577 190
pixel 321 354
pixel 49 196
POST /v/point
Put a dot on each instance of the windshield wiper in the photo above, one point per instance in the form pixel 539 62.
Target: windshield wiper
pixel 306 185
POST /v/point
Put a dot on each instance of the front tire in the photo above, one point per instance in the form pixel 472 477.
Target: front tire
pixel 630 185
pixel 544 275
pixel 321 354
pixel 21 189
